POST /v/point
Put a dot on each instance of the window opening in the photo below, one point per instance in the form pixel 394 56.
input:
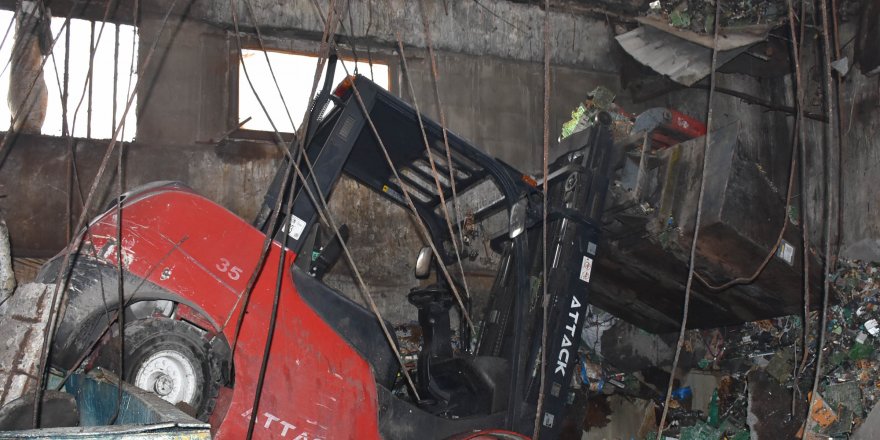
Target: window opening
pixel 295 74
pixel 98 124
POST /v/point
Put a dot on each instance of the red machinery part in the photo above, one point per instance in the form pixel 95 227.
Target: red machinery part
pixel 314 376
pixel 685 125
pixel 668 127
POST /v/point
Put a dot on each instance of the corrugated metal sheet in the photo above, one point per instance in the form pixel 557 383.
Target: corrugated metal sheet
pixel 684 56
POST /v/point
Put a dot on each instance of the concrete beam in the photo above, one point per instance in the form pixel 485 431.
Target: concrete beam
pixel 489 27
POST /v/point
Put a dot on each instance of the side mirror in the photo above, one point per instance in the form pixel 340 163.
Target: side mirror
pixel 518 218
pixel 423 263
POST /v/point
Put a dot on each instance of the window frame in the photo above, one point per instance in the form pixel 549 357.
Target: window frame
pixel 88 14
pixel 300 47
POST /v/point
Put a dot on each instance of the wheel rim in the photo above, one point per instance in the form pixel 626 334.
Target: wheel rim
pixel 170 375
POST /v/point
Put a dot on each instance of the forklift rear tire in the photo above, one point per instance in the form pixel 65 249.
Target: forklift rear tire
pixel 171 359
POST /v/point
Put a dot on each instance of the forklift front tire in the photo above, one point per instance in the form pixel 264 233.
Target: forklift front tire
pixel 169 358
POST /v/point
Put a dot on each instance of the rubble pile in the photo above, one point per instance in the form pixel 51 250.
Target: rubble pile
pixel 850 382
pixel 767 357
pixel 699 15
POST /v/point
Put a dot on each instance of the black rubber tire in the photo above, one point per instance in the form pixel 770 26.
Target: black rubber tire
pixel 147 336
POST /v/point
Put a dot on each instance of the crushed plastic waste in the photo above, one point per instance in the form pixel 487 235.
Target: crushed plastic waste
pixel 849 385
pixel 699 15
pixel 584 116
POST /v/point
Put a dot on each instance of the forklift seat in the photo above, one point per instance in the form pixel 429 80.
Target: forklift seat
pixel 354 322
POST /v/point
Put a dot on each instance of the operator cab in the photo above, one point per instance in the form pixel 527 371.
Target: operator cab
pixel 343 142
pixel 449 383
pixel 488 378
pixel 453 383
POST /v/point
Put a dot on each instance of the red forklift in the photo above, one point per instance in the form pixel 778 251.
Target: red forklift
pixel 331 372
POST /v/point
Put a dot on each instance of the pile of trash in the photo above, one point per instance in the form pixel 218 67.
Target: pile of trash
pixel 770 352
pixel 585 114
pixel 850 384
pixel 699 15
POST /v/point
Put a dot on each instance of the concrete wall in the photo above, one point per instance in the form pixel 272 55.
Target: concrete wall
pixel 860 232
pixel 856 222
pixel 35 174
pixel 494 28
pixel 498 104
pixel 855 230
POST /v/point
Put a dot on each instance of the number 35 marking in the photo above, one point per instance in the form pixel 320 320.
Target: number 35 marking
pixel 233 272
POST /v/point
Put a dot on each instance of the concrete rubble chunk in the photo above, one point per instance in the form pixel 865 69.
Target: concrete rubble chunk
pixel 870 429
pixel 7 277
pixel 23 318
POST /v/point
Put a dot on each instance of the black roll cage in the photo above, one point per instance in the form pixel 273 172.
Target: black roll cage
pixel 344 142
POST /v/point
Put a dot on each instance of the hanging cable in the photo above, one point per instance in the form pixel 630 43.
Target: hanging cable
pixel 121 299
pixel 253 18
pixel 696 235
pixel 423 230
pixel 435 83
pixel 95 255
pixel 273 321
pixel 545 303
pixel 841 140
pixel 323 211
pixel 408 199
pixel 91 70
pixel 436 174
pixel 805 233
pixel 87 85
pixel 61 278
pixel 120 285
pixel 295 165
pixel 829 199
pixel 115 76
pixel 326 218
pixel 329 31
pixel 244 297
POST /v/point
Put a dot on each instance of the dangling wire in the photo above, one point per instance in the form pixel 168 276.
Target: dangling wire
pixel 323 212
pixel 696 235
pixel 408 201
pixel 430 155
pixel 435 83
pixel 545 168
pixel 805 234
pixel 829 199
pixel 61 277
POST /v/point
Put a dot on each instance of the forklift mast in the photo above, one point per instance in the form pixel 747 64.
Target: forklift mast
pixel 576 190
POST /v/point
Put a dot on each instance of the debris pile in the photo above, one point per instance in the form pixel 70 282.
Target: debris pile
pixel 584 116
pixel 699 15
pixel 850 383
pixel 757 367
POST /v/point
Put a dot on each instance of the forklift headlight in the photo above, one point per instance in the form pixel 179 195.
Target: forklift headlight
pixel 518 218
